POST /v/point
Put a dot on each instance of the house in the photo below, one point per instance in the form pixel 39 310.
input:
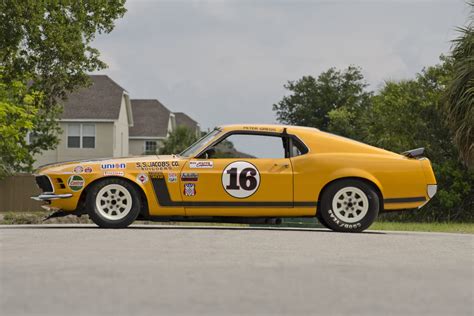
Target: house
pixel 182 119
pixel 95 123
pixel 100 121
pixel 153 123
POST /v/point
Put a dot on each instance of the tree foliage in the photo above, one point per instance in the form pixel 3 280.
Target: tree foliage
pixel 334 96
pixel 459 104
pixel 401 116
pixel 48 44
pixel 17 112
pixel 178 140
pixel 408 114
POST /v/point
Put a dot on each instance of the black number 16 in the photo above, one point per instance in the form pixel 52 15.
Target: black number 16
pixel 247 180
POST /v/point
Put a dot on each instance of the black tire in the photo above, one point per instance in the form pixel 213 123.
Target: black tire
pixel 353 212
pixel 121 187
pixel 322 221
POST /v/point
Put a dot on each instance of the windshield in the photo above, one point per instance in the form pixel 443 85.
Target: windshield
pixel 192 150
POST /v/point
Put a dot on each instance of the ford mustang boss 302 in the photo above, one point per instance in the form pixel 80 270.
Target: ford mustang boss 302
pixel 244 173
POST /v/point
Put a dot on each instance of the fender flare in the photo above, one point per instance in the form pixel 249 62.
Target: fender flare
pixel 355 173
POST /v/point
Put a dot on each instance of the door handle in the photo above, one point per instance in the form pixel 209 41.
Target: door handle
pixel 284 165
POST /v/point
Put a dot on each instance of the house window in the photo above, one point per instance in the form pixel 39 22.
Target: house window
pixel 31 137
pixel 81 136
pixel 151 147
pixel 88 136
pixel 74 136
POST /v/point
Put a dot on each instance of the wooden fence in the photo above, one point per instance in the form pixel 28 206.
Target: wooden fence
pixel 15 193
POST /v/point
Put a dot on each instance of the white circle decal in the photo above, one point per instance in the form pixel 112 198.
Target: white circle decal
pixel 240 179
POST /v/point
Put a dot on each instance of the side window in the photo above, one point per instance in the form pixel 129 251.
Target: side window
pixel 295 151
pixel 249 146
pixel 297 148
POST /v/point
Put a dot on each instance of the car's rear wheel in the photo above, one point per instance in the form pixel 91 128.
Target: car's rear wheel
pixel 321 220
pixel 349 206
pixel 113 203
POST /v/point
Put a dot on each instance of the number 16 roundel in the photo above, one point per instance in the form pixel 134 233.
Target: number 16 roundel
pixel 240 179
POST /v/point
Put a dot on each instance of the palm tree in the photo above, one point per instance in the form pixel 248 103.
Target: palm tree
pixel 460 92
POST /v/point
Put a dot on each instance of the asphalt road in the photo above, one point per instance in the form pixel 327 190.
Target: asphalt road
pixel 169 270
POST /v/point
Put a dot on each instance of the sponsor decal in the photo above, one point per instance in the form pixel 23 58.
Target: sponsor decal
pixel 142 178
pixel 113 173
pixel 156 165
pixel 172 177
pixel 240 179
pixel 78 169
pixel 87 169
pixel 265 129
pixel 189 189
pixel 156 175
pixel 189 176
pixel 204 164
pixel 113 166
pixel 76 183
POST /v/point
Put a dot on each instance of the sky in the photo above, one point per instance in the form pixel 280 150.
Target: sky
pixel 225 62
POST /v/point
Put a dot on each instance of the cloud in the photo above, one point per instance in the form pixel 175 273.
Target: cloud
pixel 226 62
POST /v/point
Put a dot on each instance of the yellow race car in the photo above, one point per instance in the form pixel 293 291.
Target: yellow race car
pixel 245 173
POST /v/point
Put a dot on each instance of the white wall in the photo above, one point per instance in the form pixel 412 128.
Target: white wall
pixel 137 146
pixel 121 132
pixel 103 145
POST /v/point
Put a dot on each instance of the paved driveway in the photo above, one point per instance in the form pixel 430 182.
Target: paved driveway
pixel 169 270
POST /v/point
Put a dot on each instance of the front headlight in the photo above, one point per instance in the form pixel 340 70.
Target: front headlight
pixel 431 190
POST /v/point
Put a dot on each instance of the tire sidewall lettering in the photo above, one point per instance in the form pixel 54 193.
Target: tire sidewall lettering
pixel 340 223
pixel 330 216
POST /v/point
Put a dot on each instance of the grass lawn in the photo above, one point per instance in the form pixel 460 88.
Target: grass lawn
pixel 465 228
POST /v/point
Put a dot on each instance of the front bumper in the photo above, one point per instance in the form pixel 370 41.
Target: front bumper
pixel 51 196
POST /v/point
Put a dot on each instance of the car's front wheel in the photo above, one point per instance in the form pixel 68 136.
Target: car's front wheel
pixel 113 203
pixel 349 206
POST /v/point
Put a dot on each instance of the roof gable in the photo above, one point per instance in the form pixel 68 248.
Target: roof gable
pixel 101 100
pixel 150 119
pixel 182 119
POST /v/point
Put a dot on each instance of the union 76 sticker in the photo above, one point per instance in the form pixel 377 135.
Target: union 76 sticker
pixel 241 179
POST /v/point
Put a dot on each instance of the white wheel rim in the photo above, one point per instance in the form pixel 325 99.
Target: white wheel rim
pixel 350 204
pixel 113 202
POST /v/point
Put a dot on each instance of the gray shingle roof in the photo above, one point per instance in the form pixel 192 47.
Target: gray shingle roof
pixel 150 119
pixel 183 119
pixel 101 100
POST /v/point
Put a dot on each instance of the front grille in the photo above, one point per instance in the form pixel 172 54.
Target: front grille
pixel 44 183
pixel 61 183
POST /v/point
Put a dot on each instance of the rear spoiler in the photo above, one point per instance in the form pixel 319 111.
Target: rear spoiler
pixel 414 153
